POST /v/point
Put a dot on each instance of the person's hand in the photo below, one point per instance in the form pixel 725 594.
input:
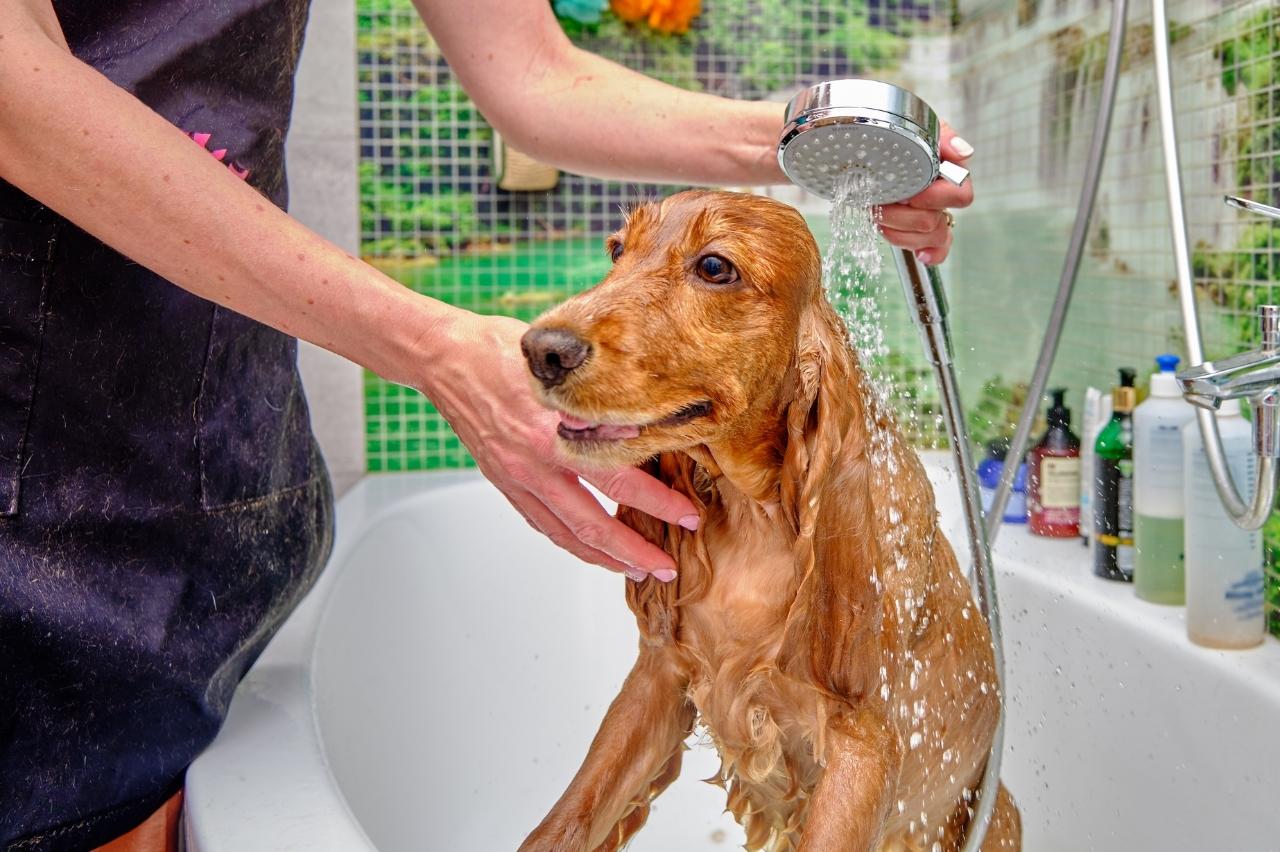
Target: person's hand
pixel 922 223
pixel 481 385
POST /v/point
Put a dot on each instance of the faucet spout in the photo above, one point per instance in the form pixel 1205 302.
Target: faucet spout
pixel 1242 376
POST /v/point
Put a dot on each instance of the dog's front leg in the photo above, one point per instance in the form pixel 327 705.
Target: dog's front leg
pixel 851 802
pixel 635 755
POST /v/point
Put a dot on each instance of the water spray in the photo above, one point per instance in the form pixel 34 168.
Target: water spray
pixel 889 138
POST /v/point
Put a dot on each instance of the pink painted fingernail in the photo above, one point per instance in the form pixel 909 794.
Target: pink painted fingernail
pixel 961 147
pixel 666 575
pixel 689 522
pixel 635 574
pixel 925 256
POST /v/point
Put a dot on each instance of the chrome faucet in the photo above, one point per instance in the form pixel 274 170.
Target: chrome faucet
pixel 1253 206
pixel 1253 375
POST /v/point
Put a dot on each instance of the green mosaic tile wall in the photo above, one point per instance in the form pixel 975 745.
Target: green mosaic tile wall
pixel 433 219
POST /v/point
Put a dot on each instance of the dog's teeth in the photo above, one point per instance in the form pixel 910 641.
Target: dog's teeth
pixel 572 422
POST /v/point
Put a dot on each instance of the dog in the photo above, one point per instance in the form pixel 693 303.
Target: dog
pixel 819 627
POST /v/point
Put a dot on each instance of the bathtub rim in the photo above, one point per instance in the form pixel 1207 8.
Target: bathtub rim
pixel 299 787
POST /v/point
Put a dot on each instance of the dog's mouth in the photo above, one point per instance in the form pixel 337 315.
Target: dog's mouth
pixel 576 429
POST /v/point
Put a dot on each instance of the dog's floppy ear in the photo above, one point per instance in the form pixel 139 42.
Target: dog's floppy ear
pixel 830 637
pixel 654 603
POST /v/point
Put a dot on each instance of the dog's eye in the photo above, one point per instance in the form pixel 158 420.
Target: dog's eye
pixel 717 270
pixel 615 251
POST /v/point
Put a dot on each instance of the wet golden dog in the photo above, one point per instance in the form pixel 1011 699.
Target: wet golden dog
pixel 819 627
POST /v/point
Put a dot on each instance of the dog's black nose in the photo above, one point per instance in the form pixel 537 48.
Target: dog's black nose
pixel 552 353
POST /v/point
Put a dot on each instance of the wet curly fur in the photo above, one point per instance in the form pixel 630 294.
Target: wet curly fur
pixel 819 627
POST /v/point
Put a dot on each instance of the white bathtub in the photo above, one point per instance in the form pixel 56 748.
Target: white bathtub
pixel 439 687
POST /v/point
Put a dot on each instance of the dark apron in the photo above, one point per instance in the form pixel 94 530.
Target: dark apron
pixel 163 505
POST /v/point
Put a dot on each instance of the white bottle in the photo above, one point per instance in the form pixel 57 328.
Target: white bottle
pixel 1096 413
pixel 1158 488
pixel 1224 562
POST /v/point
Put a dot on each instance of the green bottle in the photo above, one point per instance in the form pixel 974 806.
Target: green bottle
pixel 1113 486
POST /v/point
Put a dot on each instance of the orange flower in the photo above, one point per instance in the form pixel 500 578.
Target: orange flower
pixel 673 16
pixel 665 16
pixel 631 10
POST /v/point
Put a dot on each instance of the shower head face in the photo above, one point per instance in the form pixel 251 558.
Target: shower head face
pixel 884 132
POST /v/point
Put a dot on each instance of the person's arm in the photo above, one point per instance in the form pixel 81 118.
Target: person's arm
pixel 89 150
pixel 575 110
pixel 585 114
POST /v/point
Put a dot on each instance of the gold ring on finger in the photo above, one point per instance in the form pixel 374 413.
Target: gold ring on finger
pixel 951 220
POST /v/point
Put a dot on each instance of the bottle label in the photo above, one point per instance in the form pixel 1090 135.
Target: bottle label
pixel 1060 483
pixel 1165 471
pixel 1244 597
pixel 1113 518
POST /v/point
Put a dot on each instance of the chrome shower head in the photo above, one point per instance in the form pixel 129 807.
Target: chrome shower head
pixel 885 131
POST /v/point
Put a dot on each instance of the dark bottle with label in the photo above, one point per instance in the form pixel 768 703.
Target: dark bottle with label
pixel 1113 486
pixel 1053 485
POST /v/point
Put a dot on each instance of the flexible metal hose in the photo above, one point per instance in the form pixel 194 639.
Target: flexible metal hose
pixel 1070 268
pixel 922 286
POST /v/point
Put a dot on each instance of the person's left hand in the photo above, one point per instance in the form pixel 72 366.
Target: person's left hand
pixel 922 223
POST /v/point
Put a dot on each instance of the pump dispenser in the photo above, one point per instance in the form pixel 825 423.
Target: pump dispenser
pixel 1158 572
pixel 1053 474
pixel 1113 486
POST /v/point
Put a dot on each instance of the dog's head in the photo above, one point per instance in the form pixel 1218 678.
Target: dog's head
pixel 690 338
pixel 712 330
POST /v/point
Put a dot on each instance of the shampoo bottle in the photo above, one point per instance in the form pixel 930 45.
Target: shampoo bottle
pixel 1223 562
pixel 990 470
pixel 1053 476
pixel 1113 486
pixel 1158 488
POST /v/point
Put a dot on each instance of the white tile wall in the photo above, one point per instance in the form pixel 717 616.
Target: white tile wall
pixel 324 195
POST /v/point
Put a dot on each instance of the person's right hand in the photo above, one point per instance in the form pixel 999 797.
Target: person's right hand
pixel 478 379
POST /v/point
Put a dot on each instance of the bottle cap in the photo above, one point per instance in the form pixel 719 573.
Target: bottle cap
pixel 1164 384
pixel 989 471
pixel 1124 397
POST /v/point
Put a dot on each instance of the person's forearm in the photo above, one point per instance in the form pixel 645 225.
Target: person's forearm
pixel 92 152
pixel 622 124
pixel 585 114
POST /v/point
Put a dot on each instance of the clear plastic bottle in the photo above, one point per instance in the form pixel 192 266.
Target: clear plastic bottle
pixel 1158 574
pixel 1223 562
